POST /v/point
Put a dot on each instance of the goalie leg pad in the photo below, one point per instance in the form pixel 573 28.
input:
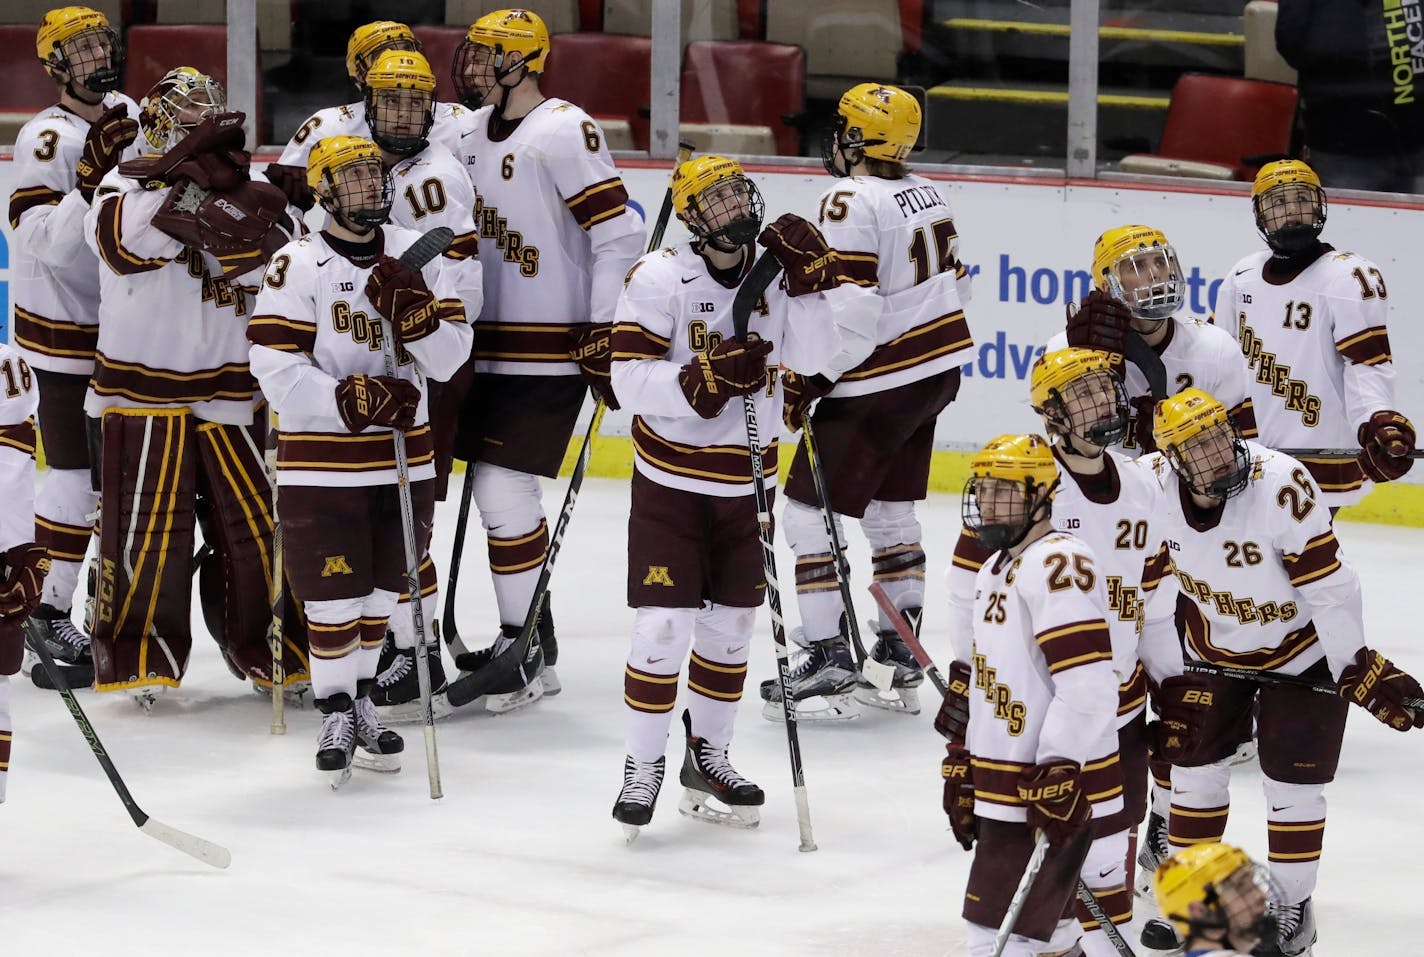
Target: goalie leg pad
pixel 142 633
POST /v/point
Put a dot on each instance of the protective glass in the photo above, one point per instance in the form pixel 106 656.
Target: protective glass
pixel 1149 282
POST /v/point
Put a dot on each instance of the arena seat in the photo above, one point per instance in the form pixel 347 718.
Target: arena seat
pixel 1215 124
pixel 274 23
pixel 29 12
pixel 438 43
pixel 560 16
pixel 846 41
pixel 25 88
pixel 1263 60
pixel 605 74
pixel 735 84
pixel 701 19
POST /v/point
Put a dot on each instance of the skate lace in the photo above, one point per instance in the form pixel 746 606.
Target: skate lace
pixel 337 731
pixel 645 783
pixel 716 766
pixel 810 661
pixel 1288 919
pixel 368 720
pixel 64 630
pixel 398 668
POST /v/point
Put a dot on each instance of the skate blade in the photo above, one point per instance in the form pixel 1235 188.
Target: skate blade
pixel 294 695
pixel 701 806
pixel 827 708
pixel 335 779
pixel 630 833
pixel 902 700
pixel 1245 753
pixel 29 662
pixel 410 712
pixel 380 763
pixel 552 685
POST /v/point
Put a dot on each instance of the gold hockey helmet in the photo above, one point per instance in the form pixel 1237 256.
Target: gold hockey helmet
pixel 1006 477
pixel 1217 887
pixel 1139 267
pixel 400 101
pixel 881 121
pixel 1203 445
pixel 1080 396
pixel 717 202
pixel 80 42
pixel 1289 206
pixel 350 181
pixel 512 31
pixel 370 40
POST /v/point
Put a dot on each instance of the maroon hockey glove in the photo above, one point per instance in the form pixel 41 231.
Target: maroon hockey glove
pixel 106 139
pixel 591 346
pixel 1182 703
pixel 1099 322
pixel 292 181
pixel 1385 443
pixel 959 795
pixel 727 369
pixel 798 394
pixel 798 245
pixel 1375 684
pixel 953 718
pixel 210 156
pixel 25 569
pixel 399 293
pixel 1142 408
pixel 1054 799
pixel 239 218
pixel 366 400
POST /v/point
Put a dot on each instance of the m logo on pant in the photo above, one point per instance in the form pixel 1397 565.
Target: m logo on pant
pixel 658 575
pixel 336 565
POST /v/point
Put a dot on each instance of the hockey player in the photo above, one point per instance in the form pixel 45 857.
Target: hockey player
pixel 1265 588
pixel 558 239
pixel 430 189
pixel 694 568
pixel 1218 898
pixel 173 397
pixel 874 428
pixel 317 345
pixel 23 563
pixel 1311 323
pixel 1044 704
pixel 60 157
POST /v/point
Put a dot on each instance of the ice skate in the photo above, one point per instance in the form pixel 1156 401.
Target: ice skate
pixel 1153 850
pixel 903 695
pixel 147 696
pixel 296 689
pixel 396 695
pixel 1159 936
pixel 337 743
pixel 380 747
pixel 1295 931
pixel 66 644
pixel 642 780
pixel 495 680
pixel 821 684
pixel 713 790
pixel 550 645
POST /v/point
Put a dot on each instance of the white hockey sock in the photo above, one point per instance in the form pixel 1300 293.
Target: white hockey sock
pixel 718 670
pixel 1201 800
pixel 63 525
pixel 1104 872
pixel 1295 833
pixel 402 622
pixel 660 640
pixel 334 633
pixel 897 560
pixel 512 512
pixel 817 591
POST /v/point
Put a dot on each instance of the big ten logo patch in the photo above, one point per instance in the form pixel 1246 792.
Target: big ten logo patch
pixel 658 575
pixel 336 565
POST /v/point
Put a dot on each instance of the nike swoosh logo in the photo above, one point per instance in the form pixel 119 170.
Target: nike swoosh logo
pixel 467 133
pixel 1240 271
pixel 323 262
pixel 735 651
pixel 1106 872
pixel 689 279
pixel 1277 810
pixel 653 661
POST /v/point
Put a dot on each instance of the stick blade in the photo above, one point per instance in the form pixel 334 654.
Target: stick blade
pixel 214 855
pixel 427 247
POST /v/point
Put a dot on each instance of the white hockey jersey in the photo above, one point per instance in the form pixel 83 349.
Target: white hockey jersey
pixel 1262 582
pixel 19 398
pixel 899 245
pixel 313 326
pixel 556 233
pixel 1044 685
pixel 53 273
pixel 672 309
pixel 431 189
pixel 1318 348
pixel 349 119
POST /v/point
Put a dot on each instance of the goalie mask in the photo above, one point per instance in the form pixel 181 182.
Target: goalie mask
pixel 351 182
pixel 1011 482
pixel 716 201
pixel 178 103
pixel 484 60
pixel 1289 205
pixel 76 45
pixel 872 120
pixel 400 102
pixel 1139 268
pixel 1216 888
pixel 369 41
pixel 1081 398
pixel 1202 444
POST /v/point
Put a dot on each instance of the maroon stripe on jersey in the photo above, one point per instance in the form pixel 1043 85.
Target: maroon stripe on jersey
pixel 523 342
pixel 1102 779
pixel 1319 558
pixel 598 202
pixel 632 341
pixel 510 556
pixel 729 464
pixel 1294 842
pixel 816 573
pixel 861 268
pixel 282 334
pixel 333 641
pixel 945 336
pixel 428 583
pixel 1368 348
pixel 24 200
pixel 464 246
pixel 54 337
pixel 1198 639
pixel 336 452
pixel 1155 569
pixel 649 693
pixel 1073 644
pixel 1132 693
pixel 1334 475
pixel 969 553
pixel 1196 825
pixel 20 436
pixel 1116 903
pixel 997 782
pixel 111 246
pixel 1244 415
pixel 717 680
pixel 143 383
pixel 65 543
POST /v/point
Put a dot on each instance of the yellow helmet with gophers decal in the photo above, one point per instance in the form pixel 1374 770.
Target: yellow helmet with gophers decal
pixel 717 202
pixel 1276 194
pixel 1138 266
pixel 882 121
pixel 370 40
pixel 335 154
pixel 1194 875
pixel 409 73
pixel 1067 386
pixel 66 25
pixel 1024 462
pixel 1016 458
pixel 512 31
pixel 1202 443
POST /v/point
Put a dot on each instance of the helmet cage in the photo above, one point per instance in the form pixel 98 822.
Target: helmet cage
pixel 1214 462
pixel 727 213
pixel 1000 511
pixel 838 137
pixel 93 58
pixel 1092 407
pixel 1149 282
pixel 389 108
pixel 180 108
pixel 1239 906
pixel 350 193
pixel 1278 219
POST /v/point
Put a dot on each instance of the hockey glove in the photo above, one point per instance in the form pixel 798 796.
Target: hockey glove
pixel 798 393
pixel 959 795
pixel 1142 408
pixel 1053 795
pixel 210 156
pixel 292 181
pixel 1375 684
pixel 798 245
pixel 1182 703
pixel 26 566
pixel 1099 322
pixel 1385 443
pixel 728 369
pixel 366 400
pixel 240 218
pixel 591 346
pixel 107 137
pixel 953 718
pixel 399 293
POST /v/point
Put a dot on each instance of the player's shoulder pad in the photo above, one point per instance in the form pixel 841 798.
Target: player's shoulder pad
pixel 558 127
pixel 1153 464
pixel 662 268
pixel 1340 281
pixel 69 128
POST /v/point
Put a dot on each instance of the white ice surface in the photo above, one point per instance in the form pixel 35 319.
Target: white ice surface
pixel 522 857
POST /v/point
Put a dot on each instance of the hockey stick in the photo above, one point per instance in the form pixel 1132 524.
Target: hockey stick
pixel 1095 907
pixel 1271 678
pixel 1016 905
pixel 209 853
pixel 761 276
pixel 422 251
pixel 275 636
pixel 457 552
pixel 1140 354
pixel 878 673
pixel 908 636
pixel 1341 453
